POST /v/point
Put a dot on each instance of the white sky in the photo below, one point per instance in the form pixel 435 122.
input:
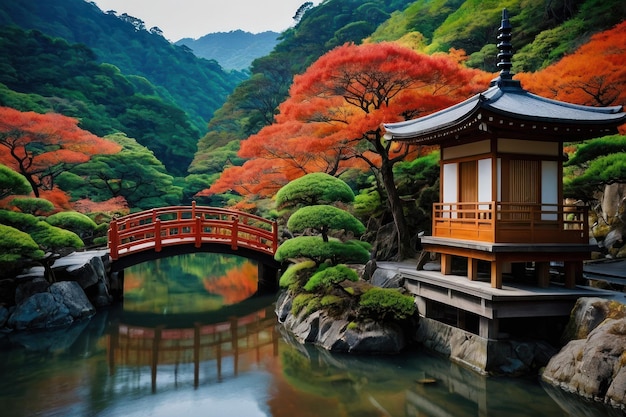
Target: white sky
pixel 195 18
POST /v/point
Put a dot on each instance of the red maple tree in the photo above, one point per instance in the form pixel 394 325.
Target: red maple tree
pixel 594 75
pixel 332 119
pixel 41 146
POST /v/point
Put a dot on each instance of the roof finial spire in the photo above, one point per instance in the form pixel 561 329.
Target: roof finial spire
pixel 506 54
pixel 505 47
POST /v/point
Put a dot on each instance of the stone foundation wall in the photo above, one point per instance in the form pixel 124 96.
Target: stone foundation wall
pixel 485 356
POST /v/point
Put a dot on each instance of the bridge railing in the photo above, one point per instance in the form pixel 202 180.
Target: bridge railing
pixel 166 226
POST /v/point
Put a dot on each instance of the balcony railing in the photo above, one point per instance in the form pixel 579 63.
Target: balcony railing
pixel 511 222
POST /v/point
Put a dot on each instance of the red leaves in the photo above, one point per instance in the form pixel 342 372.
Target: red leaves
pixel 41 146
pixel 336 106
pixel 593 75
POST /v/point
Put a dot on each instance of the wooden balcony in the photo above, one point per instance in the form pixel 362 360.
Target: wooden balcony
pixel 511 222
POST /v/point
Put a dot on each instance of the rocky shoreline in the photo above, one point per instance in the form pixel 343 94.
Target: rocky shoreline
pixel 593 362
pixel 82 283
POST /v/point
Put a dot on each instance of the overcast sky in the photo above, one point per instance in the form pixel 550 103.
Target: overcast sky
pixel 195 18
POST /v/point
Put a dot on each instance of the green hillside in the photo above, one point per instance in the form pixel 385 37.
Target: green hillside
pixel 115 75
pixel 198 86
pixel 543 33
pixel 42 74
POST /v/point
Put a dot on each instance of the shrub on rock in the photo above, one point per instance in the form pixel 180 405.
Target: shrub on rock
pixel 325 279
pixel 16 245
pixel 386 304
pixel 73 221
pixel 314 248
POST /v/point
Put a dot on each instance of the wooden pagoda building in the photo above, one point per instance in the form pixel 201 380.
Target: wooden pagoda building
pixel 501 193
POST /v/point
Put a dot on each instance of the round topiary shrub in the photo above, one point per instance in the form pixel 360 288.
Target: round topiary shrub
pixel 313 247
pixel 73 221
pixel 386 304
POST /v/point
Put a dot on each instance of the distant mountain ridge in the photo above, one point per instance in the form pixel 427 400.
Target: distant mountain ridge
pixel 234 50
pixel 196 85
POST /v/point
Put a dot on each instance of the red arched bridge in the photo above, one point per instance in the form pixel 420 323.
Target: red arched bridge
pixel 168 231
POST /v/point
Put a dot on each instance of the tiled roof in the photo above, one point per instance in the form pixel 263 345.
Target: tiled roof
pixel 512 102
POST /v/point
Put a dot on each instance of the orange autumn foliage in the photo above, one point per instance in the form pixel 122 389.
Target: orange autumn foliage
pixel 59 198
pixel 115 205
pixel 41 146
pixel 331 120
pixel 594 75
pixel 238 284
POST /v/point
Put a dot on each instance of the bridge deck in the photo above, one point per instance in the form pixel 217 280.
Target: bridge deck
pixel 191 225
pixel 143 246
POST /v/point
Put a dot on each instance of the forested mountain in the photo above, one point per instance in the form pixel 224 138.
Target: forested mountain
pixel 544 32
pixel 255 101
pixel 42 74
pixel 233 50
pixel 198 86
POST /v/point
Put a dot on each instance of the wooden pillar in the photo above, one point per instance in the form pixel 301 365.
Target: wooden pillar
pixel 267 278
pixel 496 274
pixel 156 342
pixel 198 231
pixel 234 338
pixel 446 264
pixel 114 239
pixel 488 328
pixel 234 232
pixel 460 319
pixel 573 273
pixel 157 236
pixel 114 343
pixel 542 271
pixel 472 269
pixel 274 237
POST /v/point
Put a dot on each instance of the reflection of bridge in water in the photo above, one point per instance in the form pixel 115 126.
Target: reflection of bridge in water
pixel 240 342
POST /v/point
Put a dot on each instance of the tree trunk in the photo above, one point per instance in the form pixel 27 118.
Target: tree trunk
pixel 395 205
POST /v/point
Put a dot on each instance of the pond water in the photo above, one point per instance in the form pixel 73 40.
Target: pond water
pixel 192 339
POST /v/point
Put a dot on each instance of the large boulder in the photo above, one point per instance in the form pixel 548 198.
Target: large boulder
pixel 90 270
pixel 40 311
pixel 588 313
pixel 63 303
pixel 73 297
pixel 387 278
pixel 30 284
pixel 593 366
pixel 337 334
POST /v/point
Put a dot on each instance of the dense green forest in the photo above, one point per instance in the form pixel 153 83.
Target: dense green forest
pixel 197 86
pixel 175 122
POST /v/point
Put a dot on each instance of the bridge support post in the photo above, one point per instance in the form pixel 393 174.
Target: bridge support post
pixel 274 236
pixel 267 279
pixel 234 232
pixel 157 235
pixel 114 240
pixel 198 234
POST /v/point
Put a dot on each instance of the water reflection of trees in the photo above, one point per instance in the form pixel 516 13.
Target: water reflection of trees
pixel 189 283
pixel 204 352
pixel 410 385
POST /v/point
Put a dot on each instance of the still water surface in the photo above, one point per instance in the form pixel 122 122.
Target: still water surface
pixel 192 340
